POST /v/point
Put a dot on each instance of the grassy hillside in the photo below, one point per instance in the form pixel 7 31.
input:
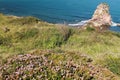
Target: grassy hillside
pixel 103 48
pixel 27 39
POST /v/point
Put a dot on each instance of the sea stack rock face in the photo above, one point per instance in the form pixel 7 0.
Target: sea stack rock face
pixel 101 19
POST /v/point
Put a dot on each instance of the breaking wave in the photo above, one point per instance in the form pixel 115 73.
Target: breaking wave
pixel 114 24
pixel 79 23
pixel 85 21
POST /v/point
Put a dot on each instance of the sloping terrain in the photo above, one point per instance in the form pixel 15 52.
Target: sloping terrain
pixel 53 66
pixel 33 49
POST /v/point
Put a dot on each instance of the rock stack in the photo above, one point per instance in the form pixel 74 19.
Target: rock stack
pixel 101 19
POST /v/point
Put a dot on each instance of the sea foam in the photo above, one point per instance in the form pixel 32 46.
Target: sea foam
pixel 114 24
pixel 79 23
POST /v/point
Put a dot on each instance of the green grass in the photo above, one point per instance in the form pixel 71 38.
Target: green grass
pixel 32 35
pixel 19 35
pixel 112 62
pixel 99 46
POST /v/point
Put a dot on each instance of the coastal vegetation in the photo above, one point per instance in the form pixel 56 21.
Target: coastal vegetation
pixel 31 49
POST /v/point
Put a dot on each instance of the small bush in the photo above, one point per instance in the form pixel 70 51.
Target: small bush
pixel 90 29
pixel 50 40
pixel 29 33
pixel 5 41
pixel 65 31
pixel 32 32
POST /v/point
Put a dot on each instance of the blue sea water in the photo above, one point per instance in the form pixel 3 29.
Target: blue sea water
pixel 59 11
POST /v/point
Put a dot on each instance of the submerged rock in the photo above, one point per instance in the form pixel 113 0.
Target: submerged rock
pixel 101 19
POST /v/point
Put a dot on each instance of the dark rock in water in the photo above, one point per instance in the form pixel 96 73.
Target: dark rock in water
pixel 101 19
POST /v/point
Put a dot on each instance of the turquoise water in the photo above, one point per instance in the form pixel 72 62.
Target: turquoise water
pixel 59 11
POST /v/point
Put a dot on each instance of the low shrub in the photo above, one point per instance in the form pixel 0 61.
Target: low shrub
pixel 5 41
pixel 29 67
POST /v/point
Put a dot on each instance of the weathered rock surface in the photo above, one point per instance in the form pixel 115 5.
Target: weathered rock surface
pixel 101 19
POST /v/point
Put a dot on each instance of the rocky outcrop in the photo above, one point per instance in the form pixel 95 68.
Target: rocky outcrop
pixel 101 19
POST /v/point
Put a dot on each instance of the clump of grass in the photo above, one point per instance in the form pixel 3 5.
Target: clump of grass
pixel 65 31
pixel 5 41
pixel 90 29
pixel 114 65
pixel 30 33
pixel 112 62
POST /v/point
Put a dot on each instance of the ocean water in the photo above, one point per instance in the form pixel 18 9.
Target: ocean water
pixel 59 11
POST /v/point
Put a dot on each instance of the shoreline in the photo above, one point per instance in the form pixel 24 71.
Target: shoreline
pixel 79 24
pixel 24 40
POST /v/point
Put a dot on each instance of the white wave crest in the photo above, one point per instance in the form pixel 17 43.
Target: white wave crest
pixel 79 23
pixel 114 24
pixel 85 21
